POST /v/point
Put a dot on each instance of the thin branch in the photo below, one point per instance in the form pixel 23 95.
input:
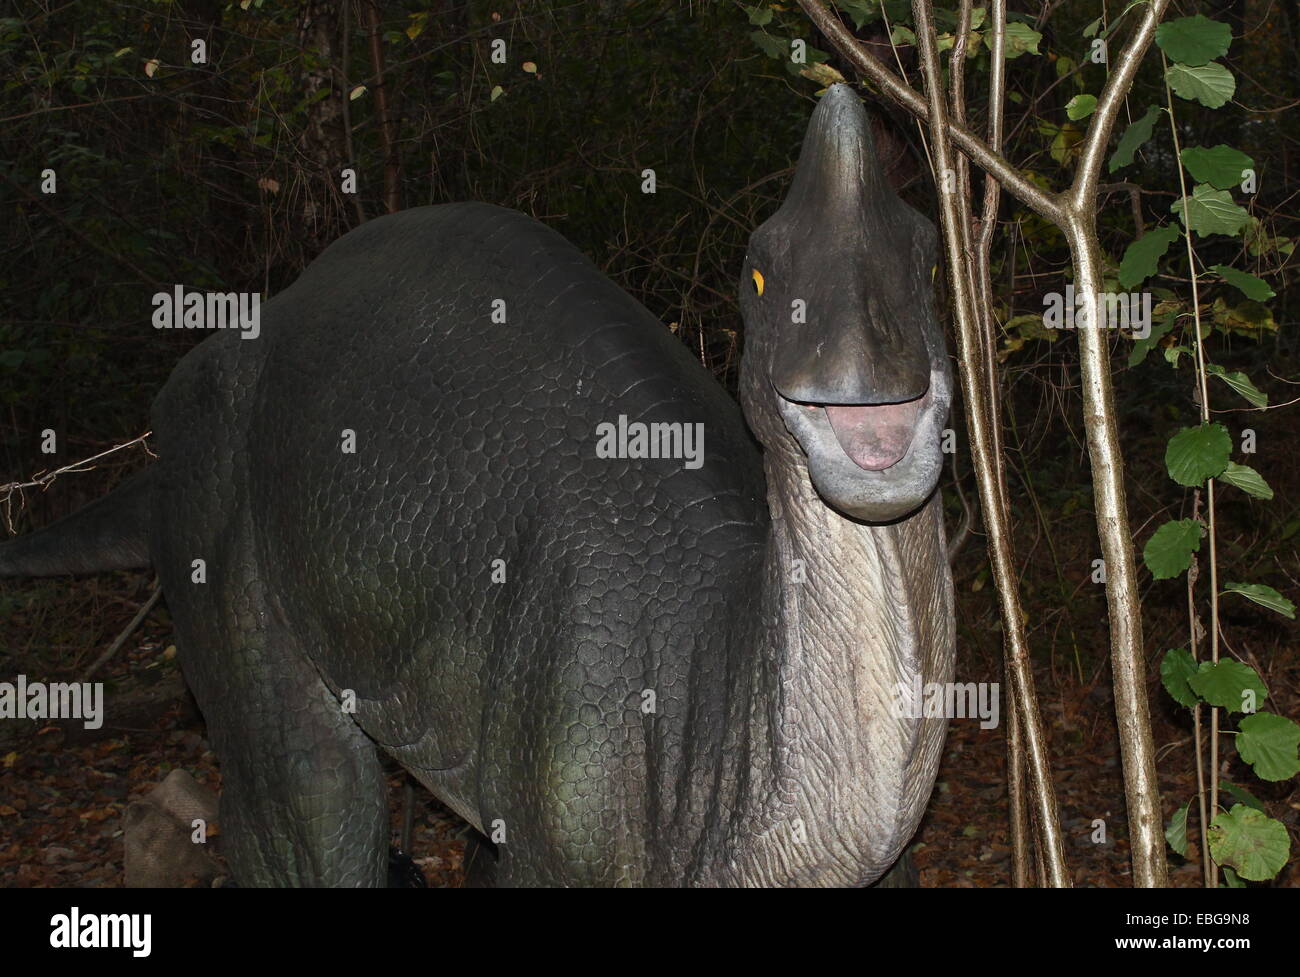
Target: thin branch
pixel 126 633
pixel 1083 192
pixel 1193 632
pixel 345 90
pixel 45 481
pixel 1128 667
pixel 988 465
pixel 387 125
pixel 1016 793
pixel 1212 871
pixel 841 38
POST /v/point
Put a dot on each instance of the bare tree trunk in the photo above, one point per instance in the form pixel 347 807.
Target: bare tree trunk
pixel 1128 665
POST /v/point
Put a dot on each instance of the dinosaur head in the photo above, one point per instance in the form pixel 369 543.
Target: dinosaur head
pixel 842 343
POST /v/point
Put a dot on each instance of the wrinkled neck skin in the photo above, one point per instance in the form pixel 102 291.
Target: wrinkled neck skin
pixel 834 779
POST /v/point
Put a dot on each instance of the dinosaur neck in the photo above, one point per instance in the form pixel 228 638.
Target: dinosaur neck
pixel 837 777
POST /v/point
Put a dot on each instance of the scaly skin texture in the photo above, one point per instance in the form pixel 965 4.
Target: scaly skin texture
pixel 518 702
pixel 625 671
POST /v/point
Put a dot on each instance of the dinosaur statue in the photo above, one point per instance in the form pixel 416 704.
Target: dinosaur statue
pixel 465 501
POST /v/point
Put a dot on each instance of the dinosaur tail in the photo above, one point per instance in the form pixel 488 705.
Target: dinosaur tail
pixel 111 533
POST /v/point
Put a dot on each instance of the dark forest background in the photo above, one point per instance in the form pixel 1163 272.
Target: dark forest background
pixel 224 176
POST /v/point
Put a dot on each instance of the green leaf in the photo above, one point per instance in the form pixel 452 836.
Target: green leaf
pixel 1169 550
pixel 1176 833
pixel 1064 139
pixel 1264 596
pixel 1221 166
pixel 762 16
pixel 1259 241
pixel 773 47
pixel 1225 683
pixel 1268 743
pixel 1231 880
pixel 1254 844
pixel 1248 318
pixel 1158 332
pixel 1239 382
pixel 1248 285
pixel 1211 211
pixel 1134 136
pixel 1241 794
pixel 1142 257
pixel 1247 479
pixel 1017 40
pixel 1175 669
pixel 1193 40
pixel 1197 453
pixel 1210 84
pixel 1091 29
pixel 1030 326
pixel 1080 107
pixel 902 35
pixel 822 73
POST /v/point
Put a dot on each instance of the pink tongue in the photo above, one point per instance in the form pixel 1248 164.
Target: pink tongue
pixel 874 436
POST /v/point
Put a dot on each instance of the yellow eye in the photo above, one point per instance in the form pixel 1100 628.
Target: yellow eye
pixel 758 281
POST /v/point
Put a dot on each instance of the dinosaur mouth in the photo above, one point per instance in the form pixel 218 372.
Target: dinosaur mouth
pixel 872 462
pixel 874 436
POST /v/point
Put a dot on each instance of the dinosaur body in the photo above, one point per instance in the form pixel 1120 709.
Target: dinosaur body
pixel 622 670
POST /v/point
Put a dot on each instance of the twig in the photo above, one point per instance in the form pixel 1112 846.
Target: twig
pixel 126 633
pixel 46 480
pixel 993 508
pixel 839 36
pixel 1211 870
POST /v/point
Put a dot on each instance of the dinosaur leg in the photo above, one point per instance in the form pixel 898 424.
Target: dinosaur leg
pixel 304 802
pixel 304 799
